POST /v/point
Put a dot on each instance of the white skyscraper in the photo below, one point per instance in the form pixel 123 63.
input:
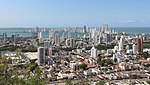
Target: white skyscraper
pixel 50 36
pixel 40 37
pixel 93 33
pixel 93 52
pixel 63 37
pixel 116 37
pixel 99 40
pixel 50 52
pixel 121 44
pixel 95 39
pixel 67 42
pixel 134 47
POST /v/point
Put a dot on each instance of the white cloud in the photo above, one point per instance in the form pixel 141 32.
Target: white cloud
pixel 132 21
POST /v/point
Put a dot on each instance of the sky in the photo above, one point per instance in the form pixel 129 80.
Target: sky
pixel 70 13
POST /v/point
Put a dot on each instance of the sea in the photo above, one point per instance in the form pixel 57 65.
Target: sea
pixel 133 30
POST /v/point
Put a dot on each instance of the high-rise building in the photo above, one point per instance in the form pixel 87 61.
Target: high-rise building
pixel 57 40
pixel 46 44
pixel 99 39
pixel 102 28
pixel 14 39
pixel 51 35
pixel 46 47
pixel 40 37
pixel 37 29
pixel 93 33
pixel 139 45
pixel 134 49
pixel 121 44
pixel 116 37
pixel 41 55
pixel 95 39
pixel 93 52
pixel 72 42
pixel 90 36
pixel 84 29
pixel 67 42
pixel 63 37
pixel 107 38
pixel 69 34
pixel 4 38
pixel 50 51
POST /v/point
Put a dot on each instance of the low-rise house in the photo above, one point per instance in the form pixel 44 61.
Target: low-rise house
pixel 62 75
pixel 87 73
pixel 96 71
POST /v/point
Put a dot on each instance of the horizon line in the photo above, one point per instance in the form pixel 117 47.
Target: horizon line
pixel 75 27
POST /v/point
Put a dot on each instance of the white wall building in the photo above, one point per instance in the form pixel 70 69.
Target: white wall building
pixel 121 44
pixel 40 37
pixel 93 52
pixel 134 47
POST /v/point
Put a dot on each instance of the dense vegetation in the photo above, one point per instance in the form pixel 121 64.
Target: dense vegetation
pixel 83 66
pixel 28 74
pixel 102 47
pixel 13 48
pixel 105 62
pixel 67 49
pixel 101 82
pixel 146 45
pixel 105 47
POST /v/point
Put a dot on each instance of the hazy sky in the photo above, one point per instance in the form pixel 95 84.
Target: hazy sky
pixel 58 13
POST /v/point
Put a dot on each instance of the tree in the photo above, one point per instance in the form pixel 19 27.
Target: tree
pixel 5 72
pixel 145 55
pixel 147 65
pixel 105 47
pixel 18 50
pixel 17 81
pixel 68 82
pixel 83 66
pixel 106 62
pixel 127 60
pixel 36 79
pixel 148 82
pixel 101 82
pixel 115 60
